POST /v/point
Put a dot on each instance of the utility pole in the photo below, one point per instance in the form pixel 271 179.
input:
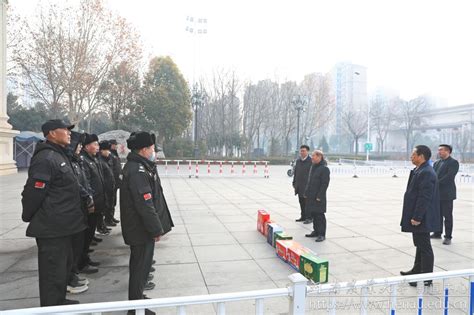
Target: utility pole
pixel 299 102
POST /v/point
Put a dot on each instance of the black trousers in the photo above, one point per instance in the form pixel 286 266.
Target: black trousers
pixel 446 212
pixel 77 242
pixel 319 223
pixel 88 236
pixel 424 258
pixel 141 257
pixel 54 267
pixel 302 201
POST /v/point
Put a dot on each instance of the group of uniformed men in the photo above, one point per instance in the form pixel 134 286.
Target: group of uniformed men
pixel 69 201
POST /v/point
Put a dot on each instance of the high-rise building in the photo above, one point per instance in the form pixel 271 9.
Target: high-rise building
pixel 350 91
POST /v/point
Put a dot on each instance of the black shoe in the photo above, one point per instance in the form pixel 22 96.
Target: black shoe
pixel 146 297
pixel 300 219
pixel 147 312
pixel 320 239
pixel 312 234
pixel 447 241
pixel 407 273
pixel 93 263
pixel 93 243
pixel 435 236
pixel 152 269
pixel 149 286
pixel 89 270
pixel 103 232
pixel 308 221
pixel 153 262
pixel 115 220
pixel 150 277
pixel 110 223
pixel 96 239
pixel 90 250
pixel 415 284
pixel 69 302
pixel 107 229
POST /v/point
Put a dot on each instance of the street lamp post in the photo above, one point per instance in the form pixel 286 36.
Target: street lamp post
pixel 196 102
pixel 368 132
pixel 299 103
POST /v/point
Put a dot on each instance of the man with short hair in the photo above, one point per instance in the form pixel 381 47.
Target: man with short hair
pixel 106 158
pixel 300 178
pixel 446 169
pixel 52 205
pixel 144 213
pixel 315 195
pixel 420 214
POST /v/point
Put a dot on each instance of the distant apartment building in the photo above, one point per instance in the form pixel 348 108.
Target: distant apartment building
pixel 349 82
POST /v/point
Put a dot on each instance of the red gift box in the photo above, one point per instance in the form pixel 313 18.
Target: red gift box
pixel 282 247
pixel 263 217
pixel 265 227
pixel 294 253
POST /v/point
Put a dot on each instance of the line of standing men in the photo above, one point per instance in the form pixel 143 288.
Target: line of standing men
pixel 70 194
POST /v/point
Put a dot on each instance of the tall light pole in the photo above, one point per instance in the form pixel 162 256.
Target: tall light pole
pixel 196 102
pixel 367 145
pixel 299 102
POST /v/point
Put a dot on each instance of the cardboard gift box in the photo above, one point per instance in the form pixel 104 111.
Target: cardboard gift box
pixel 282 247
pixel 314 268
pixel 266 226
pixel 282 236
pixel 263 216
pixel 272 229
pixel 294 254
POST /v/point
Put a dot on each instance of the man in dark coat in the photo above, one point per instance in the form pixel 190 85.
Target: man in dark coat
pixel 446 169
pixel 117 170
pixel 105 157
pixel 300 178
pixel 52 205
pixel 421 210
pixel 315 194
pixel 144 214
pixel 76 284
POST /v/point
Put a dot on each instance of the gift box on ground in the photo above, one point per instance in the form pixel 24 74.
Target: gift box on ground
pixel 283 236
pixel 294 254
pixel 272 229
pixel 282 247
pixel 265 227
pixel 263 216
pixel 314 268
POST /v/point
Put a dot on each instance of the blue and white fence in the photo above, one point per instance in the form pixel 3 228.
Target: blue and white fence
pixel 300 294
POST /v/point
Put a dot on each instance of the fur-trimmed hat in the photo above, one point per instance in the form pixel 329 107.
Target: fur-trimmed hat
pixel 139 140
pixel 89 138
pixel 104 145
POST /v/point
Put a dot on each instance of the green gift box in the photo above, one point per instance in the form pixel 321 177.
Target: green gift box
pixel 282 236
pixel 314 268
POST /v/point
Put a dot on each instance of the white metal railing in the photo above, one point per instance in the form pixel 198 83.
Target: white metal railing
pixel 297 291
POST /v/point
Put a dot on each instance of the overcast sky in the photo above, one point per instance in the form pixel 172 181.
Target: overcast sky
pixel 413 46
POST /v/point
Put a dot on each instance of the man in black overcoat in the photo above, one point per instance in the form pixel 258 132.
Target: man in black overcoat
pixel 300 178
pixel 421 210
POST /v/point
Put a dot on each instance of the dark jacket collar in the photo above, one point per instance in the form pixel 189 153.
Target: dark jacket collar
pixel 422 166
pixel 132 156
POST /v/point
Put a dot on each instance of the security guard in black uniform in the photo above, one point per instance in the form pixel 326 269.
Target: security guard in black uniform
pixel 105 158
pixel 52 205
pixel 144 214
pixel 117 170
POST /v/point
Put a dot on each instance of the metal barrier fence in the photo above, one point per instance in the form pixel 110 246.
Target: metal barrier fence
pixel 298 291
pixel 197 168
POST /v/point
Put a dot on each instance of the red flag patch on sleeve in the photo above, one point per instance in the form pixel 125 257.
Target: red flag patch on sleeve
pixel 40 185
pixel 147 196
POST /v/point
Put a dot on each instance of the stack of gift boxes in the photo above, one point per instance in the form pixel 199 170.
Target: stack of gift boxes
pixel 296 255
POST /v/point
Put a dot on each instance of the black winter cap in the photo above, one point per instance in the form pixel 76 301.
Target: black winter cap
pixel 89 138
pixel 54 124
pixel 140 140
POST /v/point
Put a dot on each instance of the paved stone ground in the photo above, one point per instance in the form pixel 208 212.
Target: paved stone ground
pixel 215 247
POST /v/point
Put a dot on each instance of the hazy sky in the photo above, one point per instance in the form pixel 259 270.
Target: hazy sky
pixel 413 46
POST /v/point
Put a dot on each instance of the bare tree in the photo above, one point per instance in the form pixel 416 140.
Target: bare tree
pixel 411 118
pixel 383 117
pixel 68 52
pixel 119 93
pixel 355 123
pixel 462 140
pixel 316 88
pixel 288 91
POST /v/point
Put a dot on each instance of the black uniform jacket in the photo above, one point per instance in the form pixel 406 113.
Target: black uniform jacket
pixel 51 196
pixel 144 213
